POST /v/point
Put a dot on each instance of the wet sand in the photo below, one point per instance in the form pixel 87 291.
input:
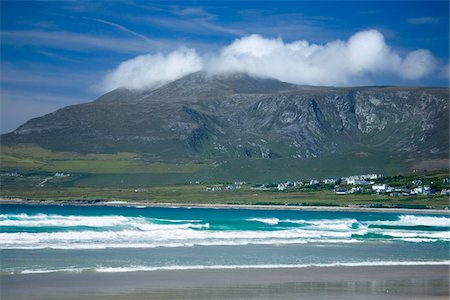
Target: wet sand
pixel 378 282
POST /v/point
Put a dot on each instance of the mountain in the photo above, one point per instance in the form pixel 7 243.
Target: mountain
pixel 202 116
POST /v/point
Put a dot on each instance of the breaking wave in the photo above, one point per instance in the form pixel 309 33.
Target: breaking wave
pixel 39 231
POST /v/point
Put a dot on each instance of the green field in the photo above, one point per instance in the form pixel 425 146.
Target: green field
pixel 199 195
pixel 28 172
pixel 132 169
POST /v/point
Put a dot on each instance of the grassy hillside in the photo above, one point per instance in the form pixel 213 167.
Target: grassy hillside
pixel 134 170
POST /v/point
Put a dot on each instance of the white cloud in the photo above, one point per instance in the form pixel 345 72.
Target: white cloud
pixel 151 71
pixel 417 64
pixel 337 63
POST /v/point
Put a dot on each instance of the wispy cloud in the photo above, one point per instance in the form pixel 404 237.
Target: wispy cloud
pixel 192 25
pixel 197 20
pixel 423 20
pixel 124 29
pixel 195 12
pixel 56 56
pixel 79 42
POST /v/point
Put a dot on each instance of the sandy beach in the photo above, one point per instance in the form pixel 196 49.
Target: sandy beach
pixel 224 206
pixel 386 282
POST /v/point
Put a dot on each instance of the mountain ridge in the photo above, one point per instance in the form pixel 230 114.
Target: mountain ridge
pixel 203 116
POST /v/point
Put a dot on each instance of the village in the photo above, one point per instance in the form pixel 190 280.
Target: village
pixel 366 183
pixel 369 184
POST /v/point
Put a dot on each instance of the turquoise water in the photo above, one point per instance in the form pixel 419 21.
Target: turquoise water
pixel 107 239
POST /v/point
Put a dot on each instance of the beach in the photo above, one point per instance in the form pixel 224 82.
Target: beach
pixel 373 282
pixel 354 208
pixel 121 251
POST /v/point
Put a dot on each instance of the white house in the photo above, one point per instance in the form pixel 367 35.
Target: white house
pixel 329 180
pixel 445 192
pixel 379 188
pixel 282 187
pixel 356 181
pixel 417 190
pixel 60 174
pixel 370 176
pixel 313 182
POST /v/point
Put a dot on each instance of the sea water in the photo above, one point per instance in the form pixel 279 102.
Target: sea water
pixel 44 238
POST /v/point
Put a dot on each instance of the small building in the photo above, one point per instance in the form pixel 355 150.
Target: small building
pixel 417 190
pixel 370 176
pixel 214 188
pixel 417 182
pixel 356 181
pixel 313 182
pixel 380 188
pixel 354 190
pixel 282 187
pixel 60 174
pixel 233 187
pixel 262 187
pixel 445 192
pixel 329 180
pixel 341 191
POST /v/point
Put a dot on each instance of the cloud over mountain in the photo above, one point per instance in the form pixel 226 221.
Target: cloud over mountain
pixel 151 71
pixel 337 63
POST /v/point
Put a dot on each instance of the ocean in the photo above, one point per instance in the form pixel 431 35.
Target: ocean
pixel 47 239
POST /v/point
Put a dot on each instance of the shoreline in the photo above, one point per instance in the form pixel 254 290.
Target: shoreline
pixel 386 282
pixel 4 200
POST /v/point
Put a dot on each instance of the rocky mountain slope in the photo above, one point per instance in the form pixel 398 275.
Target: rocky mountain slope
pixel 201 116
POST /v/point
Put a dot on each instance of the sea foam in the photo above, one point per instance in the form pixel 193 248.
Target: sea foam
pixel 236 267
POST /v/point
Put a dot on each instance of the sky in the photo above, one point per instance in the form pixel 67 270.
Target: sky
pixel 59 53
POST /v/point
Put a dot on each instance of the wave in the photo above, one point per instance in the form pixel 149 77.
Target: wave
pixel 39 220
pixel 411 220
pixel 44 220
pixel 235 267
pixel 328 224
pixel 188 235
pixel 115 231
pixel 322 224
pixel 269 221
pixel 150 235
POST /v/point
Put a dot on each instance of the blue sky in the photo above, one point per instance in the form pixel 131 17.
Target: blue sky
pixel 58 53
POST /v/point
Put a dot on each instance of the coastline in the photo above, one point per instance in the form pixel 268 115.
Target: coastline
pixel 5 200
pixel 374 282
